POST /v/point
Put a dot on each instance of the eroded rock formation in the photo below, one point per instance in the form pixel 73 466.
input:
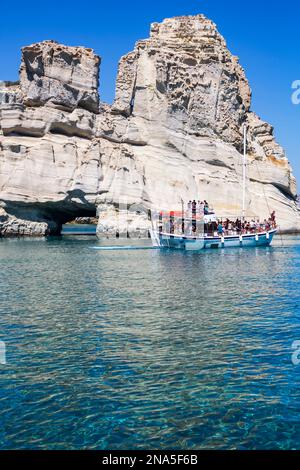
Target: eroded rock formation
pixel 173 133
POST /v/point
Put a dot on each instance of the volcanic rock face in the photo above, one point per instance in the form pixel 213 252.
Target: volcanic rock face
pixel 186 71
pixel 60 76
pixel 174 132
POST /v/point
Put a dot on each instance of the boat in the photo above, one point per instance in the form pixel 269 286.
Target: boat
pixel 196 243
pixel 194 230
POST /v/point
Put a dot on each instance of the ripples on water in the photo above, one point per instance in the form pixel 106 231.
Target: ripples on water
pixel 145 349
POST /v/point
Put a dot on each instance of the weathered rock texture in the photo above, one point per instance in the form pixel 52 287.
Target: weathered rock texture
pixel 60 76
pixel 174 132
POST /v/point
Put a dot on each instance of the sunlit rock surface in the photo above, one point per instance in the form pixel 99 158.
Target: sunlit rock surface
pixel 61 76
pixel 173 133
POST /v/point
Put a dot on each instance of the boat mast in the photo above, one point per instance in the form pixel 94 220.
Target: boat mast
pixel 244 171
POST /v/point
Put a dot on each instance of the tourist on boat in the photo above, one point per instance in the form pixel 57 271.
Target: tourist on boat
pixel 172 226
pixel 273 219
pixel 220 229
pixel 200 208
pixel 194 207
pixel 206 207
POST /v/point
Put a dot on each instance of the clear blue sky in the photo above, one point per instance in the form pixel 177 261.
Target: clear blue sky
pixel 263 33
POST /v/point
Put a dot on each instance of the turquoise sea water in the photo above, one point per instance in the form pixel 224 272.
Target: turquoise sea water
pixel 74 229
pixel 148 349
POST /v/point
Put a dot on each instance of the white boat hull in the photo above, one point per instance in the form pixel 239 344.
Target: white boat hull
pixel 190 243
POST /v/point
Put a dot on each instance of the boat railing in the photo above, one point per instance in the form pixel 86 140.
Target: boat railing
pixel 195 223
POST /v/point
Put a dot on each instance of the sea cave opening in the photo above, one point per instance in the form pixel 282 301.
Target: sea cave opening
pixel 82 221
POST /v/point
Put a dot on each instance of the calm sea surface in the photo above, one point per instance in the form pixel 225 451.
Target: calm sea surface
pixel 148 349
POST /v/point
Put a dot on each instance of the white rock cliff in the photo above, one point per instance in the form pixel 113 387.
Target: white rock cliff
pixel 173 133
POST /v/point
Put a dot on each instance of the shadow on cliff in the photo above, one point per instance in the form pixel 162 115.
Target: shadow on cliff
pixel 54 214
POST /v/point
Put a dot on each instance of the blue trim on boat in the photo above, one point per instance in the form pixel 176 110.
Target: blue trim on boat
pixel 191 243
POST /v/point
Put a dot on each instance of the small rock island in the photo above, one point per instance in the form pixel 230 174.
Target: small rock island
pixel 174 132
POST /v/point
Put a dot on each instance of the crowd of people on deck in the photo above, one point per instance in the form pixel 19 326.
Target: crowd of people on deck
pixel 229 227
pixel 200 207
pixel 196 211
